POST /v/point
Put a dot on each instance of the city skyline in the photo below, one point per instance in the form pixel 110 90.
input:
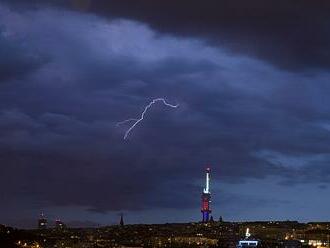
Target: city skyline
pixel 248 82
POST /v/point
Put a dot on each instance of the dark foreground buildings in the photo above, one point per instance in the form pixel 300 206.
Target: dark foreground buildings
pixel 272 234
pixel 207 233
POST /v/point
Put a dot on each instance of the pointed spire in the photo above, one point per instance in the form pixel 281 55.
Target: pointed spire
pixel 121 219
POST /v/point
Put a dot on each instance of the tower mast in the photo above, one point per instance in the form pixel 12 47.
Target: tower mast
pixel 206 198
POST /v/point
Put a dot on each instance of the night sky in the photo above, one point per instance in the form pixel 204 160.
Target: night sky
pixel 252 81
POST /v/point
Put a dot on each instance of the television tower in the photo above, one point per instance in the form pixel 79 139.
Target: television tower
pixel 206 198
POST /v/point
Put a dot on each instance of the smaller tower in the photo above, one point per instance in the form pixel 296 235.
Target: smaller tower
pixel 121 220
pixel 42 222
pixel 59 225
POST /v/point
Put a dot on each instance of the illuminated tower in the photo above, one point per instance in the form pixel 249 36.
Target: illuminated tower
pixel 59 225
pixel 206 198
pixel 42 222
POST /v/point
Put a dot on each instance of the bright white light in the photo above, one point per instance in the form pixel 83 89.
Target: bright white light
pixel 207 185
pixel 247 234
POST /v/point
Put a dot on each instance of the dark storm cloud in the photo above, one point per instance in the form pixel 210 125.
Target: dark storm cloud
pixel 289 34
pixel 58 139
pixel 16 61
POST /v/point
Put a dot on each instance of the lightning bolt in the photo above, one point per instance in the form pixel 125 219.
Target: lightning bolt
pixel 138 120
pixel 125 121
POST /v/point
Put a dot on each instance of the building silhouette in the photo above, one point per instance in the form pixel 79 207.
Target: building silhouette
pixel 121 220
pixel 42 221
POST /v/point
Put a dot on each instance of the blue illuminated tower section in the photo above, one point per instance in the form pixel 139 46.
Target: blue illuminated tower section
pixel 206 198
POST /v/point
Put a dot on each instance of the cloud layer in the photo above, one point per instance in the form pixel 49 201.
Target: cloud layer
pixel 255 113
